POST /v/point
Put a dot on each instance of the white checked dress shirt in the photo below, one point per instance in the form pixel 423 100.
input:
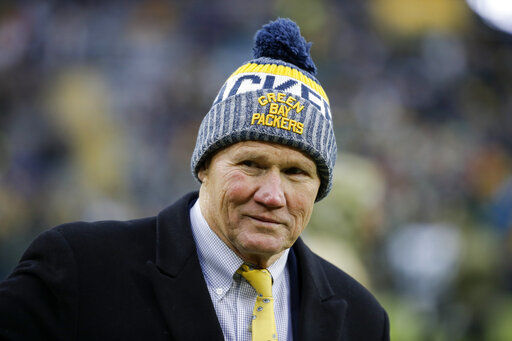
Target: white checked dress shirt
pixel 232 296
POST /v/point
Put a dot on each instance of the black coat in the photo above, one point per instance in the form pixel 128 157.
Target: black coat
pixel 141 280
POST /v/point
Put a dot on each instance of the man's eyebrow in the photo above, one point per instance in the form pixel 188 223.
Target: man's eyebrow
pixel 246 149
pixel 245 153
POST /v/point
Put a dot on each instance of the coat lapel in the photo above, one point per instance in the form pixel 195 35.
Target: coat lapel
pixel 177 279
pixel 321 313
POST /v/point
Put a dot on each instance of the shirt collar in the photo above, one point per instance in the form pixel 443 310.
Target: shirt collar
pixel 218 262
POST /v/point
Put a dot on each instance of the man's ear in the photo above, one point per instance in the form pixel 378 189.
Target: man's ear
pixel 202 174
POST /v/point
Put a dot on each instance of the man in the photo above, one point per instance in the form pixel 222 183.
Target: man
pixel 224 263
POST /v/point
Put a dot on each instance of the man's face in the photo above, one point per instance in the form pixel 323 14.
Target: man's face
pixel 258 197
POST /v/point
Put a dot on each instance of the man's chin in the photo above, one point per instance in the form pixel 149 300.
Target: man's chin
pixel 263 246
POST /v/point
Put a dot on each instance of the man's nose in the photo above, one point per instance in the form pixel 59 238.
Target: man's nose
pixel 270 191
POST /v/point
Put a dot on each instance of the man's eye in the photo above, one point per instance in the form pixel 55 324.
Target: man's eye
pixel 294 171
pixel 249 163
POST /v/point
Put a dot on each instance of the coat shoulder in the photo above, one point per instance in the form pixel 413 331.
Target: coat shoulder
pixel 364 317
pixel 344 284
pixel 364 312
pixel 109 239
pixel 106 228
pixel 334 280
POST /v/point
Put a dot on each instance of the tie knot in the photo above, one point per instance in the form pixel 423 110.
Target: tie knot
pixel 259 279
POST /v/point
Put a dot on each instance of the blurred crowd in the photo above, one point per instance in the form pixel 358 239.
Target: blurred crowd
pixel 100 103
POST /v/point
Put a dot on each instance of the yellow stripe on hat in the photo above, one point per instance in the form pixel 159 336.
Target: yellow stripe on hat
pixel 281 70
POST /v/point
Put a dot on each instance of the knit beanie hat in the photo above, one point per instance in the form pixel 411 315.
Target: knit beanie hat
pixel 274 98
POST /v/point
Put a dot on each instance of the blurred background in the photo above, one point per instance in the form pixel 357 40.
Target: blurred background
pixel 100 102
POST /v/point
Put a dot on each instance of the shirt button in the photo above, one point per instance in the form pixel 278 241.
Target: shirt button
pixel 219 291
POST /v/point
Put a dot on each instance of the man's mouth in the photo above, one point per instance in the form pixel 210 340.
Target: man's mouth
pixel 265 219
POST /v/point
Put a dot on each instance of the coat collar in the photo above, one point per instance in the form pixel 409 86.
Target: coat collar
pixel 178 282
pixel 175 244
pixel 322 312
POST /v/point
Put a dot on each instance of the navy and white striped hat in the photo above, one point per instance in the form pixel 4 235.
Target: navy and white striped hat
pixel 275 98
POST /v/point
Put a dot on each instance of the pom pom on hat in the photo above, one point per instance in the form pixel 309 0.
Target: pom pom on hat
pixel 281 40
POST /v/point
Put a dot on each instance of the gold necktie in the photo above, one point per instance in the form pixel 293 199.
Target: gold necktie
pixel 263 320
